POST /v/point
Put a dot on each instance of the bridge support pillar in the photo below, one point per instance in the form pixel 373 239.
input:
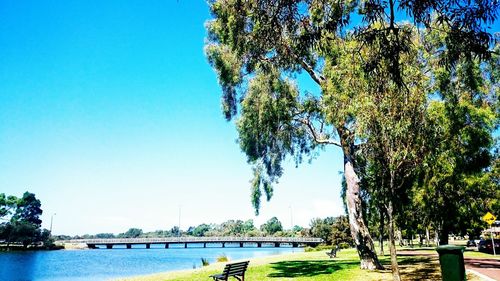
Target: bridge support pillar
pixel 241 244
pixel 223 245
pixel 185 245
pixel 295 245
pixel 204 245
pixel 148 246
pixel 259 245
pixel 129 246
pixel 109 246
pixel 276 245
pixel 166 245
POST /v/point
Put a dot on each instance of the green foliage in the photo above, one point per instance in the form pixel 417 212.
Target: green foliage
pixel 24 233
pixel 272 226
pixel 257 47
pixel 104 235
pixel 457 188
pixel 317 248
pixel 341 233
pixel 200 230
pixel 22 216
pixel 232 227
pixel 297 229
pixel 204 262
pixel 322 228
pixel 374 74
pixel 28 210
pixel 222 258
pixel 6 204
pixel 131 233
pixel 248 226
pixel 174 231
pixel 333 230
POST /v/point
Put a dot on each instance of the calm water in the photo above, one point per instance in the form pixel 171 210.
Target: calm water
pixel 103 264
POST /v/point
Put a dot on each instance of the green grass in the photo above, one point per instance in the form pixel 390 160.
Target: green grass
pixel 469 252
pixel 313 266
pixel 476 254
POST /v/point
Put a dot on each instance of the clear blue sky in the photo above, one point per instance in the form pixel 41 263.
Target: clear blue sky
pixel 110 114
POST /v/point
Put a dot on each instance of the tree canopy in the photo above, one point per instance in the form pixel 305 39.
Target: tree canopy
pixel 371 60
pixel 22 221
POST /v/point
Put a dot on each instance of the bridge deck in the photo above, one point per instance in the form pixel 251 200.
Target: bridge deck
pixel 295 241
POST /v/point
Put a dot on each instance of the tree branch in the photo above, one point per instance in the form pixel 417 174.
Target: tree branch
pixel 317 78
pixel 314 134
pixel 308 68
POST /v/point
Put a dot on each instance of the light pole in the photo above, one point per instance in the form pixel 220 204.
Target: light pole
pixel 179 229
pixel 51 221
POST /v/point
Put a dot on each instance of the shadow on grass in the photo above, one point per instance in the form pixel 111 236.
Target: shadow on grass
pixel 417 267
pixel 291 269
pixel 415 249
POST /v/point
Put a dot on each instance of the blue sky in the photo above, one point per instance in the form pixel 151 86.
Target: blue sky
pixel 110 114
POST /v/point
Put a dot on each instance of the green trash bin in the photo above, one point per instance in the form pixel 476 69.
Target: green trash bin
pixel 451 259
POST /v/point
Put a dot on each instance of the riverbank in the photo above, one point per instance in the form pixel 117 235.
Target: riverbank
pixel 74 246
pixel 21 248
pixel 313 266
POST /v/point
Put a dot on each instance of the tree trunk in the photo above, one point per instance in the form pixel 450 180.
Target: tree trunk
pixel 427 236
pixel 381 230
pixel 359 231
pixel 443 234
pixel 400 237
pixel 392 244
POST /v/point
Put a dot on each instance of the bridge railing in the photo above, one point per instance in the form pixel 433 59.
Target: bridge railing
pixel 305 240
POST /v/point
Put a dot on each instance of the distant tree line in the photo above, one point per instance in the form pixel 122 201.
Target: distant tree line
pixel 21 223
pixel 331 230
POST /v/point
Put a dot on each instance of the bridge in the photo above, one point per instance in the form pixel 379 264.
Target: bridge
pixel 202 241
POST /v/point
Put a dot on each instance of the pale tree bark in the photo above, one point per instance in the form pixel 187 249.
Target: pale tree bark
pixel 381 230
pixel 359 230
pixel 392 243
pixel 427 236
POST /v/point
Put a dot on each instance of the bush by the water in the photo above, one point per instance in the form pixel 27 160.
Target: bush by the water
pixel 222 258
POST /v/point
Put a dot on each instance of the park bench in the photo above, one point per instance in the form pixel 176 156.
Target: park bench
pixel 333 252
pixel 236 270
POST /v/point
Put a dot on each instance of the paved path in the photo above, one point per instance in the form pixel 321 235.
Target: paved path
pixel 487 267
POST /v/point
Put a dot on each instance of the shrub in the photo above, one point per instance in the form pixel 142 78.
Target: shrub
pixel 204 261
pixel 222 258
pixel 317 248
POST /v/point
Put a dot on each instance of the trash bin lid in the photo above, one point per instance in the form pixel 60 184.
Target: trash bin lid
pixel 450 248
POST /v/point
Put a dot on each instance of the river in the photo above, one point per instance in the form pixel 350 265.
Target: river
pixel 104 264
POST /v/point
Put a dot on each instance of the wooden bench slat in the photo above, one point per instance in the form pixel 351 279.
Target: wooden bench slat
pixel 237 266
pixel 235 270
pixel 232 269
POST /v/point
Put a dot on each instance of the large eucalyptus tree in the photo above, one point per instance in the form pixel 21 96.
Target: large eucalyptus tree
pixel 257 47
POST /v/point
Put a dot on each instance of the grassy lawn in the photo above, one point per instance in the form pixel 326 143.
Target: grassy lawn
pixel 312 266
